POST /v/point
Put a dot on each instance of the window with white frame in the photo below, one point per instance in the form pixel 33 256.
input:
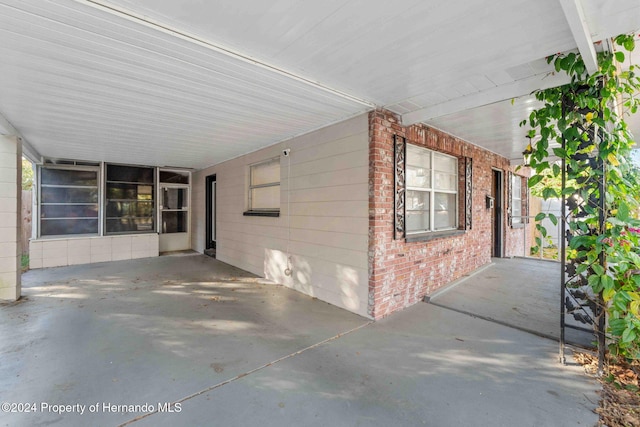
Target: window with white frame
pixel 431 191
pixel 264 186
pixel 516 199
pixel 68 200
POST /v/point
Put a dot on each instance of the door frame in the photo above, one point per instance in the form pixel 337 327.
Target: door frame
pixel 174 241
pixel 210 214
pixel 497 184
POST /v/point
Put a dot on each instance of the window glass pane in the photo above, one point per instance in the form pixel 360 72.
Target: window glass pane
pixel 265 173
pixel 516 199
pixel 446 181
pixel 129 174
pixel 516 211
pixel 418 157
pixel 445 163
pixel 418 167
pixel 68 201
pixel 145 192
pixel 418 177
pixel 445 211
pixel 129 225
pixel 69 211
pixel 174 177
pixel 56 227
pixel 68 177
pixel 417 213
pixel 265 198
pixel 417 200
pixel 417 221
pixel 130 208
pixel 130 203
pixel 117 191
pixel 68 195
pixel 122 191
pixel 174 222
pixel 516 186
pixel 174 198
pixel 446 172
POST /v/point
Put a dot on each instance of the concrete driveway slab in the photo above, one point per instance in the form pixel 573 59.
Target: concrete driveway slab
pixel 424 366
pixel 146 330
pixel 201 343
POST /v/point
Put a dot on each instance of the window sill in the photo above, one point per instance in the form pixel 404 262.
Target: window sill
pixel 128 233
pixel 519 225
pixel 425 237
pixel 64 237
pixel 261 213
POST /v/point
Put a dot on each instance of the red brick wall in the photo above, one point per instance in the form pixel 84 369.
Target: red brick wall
pixel 400 273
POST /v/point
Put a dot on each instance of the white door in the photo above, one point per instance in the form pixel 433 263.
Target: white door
pixel 174 217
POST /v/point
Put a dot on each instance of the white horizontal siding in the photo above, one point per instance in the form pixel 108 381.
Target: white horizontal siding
pixel 333 193
pixel 328 234
pixel 331 179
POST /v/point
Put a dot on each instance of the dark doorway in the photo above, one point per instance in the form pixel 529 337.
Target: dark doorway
pixel 210 246
pixel 496 214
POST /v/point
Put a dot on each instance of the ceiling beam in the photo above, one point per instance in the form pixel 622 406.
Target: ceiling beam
pixel 496 94
pixel 575 17
pixel 6 128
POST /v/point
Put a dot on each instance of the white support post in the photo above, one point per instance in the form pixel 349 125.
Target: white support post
pixel 578 23
pixel 10 217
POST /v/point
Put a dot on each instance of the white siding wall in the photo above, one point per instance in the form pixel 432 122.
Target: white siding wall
pixel 329 215
pixel 10 218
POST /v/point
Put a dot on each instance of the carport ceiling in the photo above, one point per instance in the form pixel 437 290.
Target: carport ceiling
pixel 192 83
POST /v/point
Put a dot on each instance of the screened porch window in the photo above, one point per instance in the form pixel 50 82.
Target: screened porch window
pixel 432 191
pixel 129 199
pixel 68 201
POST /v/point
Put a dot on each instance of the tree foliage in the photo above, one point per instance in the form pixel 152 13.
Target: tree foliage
pixel 583 123
pixel 27 174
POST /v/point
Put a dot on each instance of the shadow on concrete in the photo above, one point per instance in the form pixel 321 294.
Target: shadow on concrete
pixel 233 350
pixel 141 330
pixel 518 292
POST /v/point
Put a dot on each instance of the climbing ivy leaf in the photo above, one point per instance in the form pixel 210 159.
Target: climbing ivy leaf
pixel 623 212
pixel 602 186
pixel 629 335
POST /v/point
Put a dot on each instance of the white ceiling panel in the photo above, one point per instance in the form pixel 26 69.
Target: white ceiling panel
pixel 382 51
pixel 192 83
pixel 608 18
pixel 494 126
pixel 81 83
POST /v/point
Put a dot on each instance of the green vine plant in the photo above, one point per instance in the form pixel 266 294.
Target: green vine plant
pixel 583 125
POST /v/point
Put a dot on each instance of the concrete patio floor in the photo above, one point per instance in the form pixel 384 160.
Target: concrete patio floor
pixel 520 292
pixel 234 351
